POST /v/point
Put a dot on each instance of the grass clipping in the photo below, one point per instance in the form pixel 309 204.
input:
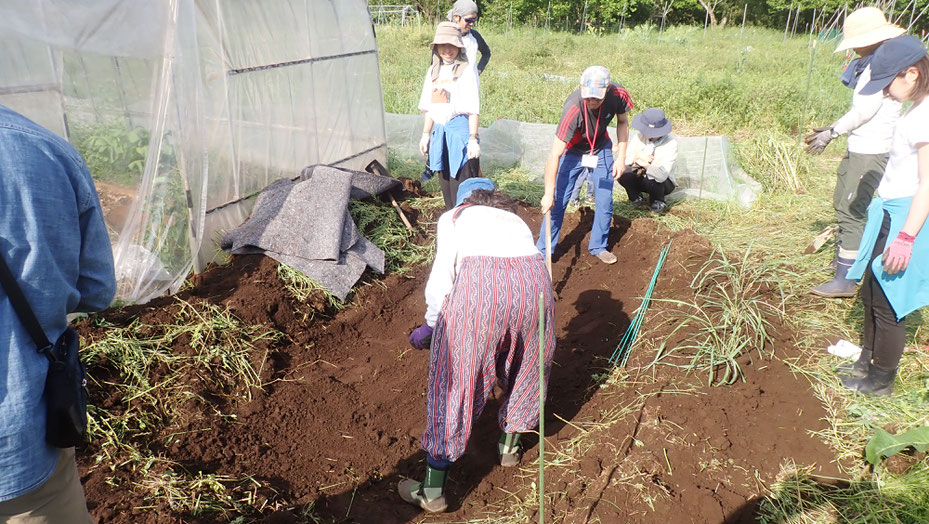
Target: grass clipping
pixel 221 354
pixel 731 315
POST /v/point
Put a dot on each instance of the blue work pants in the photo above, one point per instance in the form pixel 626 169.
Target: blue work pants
pixel 569 169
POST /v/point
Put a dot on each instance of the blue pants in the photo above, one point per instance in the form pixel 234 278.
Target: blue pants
pixel 602 177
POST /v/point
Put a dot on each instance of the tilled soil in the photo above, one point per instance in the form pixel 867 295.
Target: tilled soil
pixel 338 423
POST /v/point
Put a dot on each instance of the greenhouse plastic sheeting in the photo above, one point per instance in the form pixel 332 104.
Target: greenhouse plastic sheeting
pixel 185 109
pixel 705 166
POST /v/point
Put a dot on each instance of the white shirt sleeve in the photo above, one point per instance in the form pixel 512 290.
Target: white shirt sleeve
pixel 442 276
pixel 665 156
pixel 425 99
pixel 468 100
pixel 634 147
pixel 864 107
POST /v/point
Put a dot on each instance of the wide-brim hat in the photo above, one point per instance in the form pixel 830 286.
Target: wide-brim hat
pixel 892 57
pixel 652 123
pixel 468 186
pixel 447 33
pixel 865 27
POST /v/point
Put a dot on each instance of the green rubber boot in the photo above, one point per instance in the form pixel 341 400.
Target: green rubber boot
pixel 508 450
pixel 428 494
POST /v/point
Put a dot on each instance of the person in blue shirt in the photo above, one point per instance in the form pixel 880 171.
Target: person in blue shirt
pixel 53 237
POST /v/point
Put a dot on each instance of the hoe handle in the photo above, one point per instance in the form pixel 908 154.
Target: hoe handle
pixel 548 242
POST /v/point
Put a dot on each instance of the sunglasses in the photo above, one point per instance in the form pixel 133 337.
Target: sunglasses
pixel 471 21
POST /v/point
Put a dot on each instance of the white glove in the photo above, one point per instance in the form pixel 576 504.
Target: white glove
pixel 474 149
pixel 424 144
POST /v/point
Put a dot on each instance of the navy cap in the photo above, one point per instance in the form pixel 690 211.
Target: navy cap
pixel 469 185
pixel 890 59
pixel 652 123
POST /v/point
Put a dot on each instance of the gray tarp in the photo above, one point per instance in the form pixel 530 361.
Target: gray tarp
pixel 306 225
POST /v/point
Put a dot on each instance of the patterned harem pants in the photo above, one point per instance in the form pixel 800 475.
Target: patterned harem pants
pixel 488 332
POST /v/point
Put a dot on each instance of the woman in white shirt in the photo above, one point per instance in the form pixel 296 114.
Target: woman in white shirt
pixel 650 160
pixel 894 254
pixel 451 104
pixel 482 322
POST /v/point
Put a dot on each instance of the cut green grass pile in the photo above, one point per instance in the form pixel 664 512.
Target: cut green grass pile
pixel 735 305
pixel 302 287
pixel 381 225
pixel 153 383
pixel 799 497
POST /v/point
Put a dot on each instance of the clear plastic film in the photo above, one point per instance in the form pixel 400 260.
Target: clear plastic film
pixel 185 109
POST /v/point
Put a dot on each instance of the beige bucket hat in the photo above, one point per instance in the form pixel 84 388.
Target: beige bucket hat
pixel 447 33
pixel 867 26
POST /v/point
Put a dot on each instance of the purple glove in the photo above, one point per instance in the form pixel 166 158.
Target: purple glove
pixel 421 337
pixel 897 255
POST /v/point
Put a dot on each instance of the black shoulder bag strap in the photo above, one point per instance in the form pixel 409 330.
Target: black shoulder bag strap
pixel 23 311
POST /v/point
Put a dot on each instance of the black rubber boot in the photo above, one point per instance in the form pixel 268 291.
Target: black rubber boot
pixel 860 368
pixel 508 450
pixel 879 382
pixel 838 287
pixel 428 494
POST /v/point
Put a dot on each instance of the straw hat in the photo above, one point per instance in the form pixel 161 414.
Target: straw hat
pixel 865 27
pixel 447 33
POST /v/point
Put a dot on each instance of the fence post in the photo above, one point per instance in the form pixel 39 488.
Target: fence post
pixel 744 12
pixel 583 19
pixel 790 11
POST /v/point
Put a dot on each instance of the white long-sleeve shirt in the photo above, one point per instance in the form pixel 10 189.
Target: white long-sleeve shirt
pixel 665 151
pixel 476 231
pixel 463 98
pixel 871 120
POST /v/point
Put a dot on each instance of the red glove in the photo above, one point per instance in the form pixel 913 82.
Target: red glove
pixel 897 255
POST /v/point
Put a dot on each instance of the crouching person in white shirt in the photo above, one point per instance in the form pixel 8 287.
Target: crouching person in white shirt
pixel 650 160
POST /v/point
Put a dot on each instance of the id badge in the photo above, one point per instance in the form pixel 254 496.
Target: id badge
pixel 589 161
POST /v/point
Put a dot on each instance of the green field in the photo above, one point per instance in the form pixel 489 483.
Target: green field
pixel 765 93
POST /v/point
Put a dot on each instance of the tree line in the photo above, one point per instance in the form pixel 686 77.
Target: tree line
pixel 608 15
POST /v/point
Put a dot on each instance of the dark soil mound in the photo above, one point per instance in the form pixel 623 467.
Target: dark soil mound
pixel 338 423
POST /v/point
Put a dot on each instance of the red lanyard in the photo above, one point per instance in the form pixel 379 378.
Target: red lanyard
pixel 587 131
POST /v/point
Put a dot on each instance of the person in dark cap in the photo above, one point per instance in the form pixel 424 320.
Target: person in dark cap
pixel 482 328
pixel 451 104
pixel 894 253
pixel 869 124
pixel 582 145
pixel 464 14
pixel 650 160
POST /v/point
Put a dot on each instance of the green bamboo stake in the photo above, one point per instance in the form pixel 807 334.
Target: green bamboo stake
pixel 624 348
pixel 542 408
